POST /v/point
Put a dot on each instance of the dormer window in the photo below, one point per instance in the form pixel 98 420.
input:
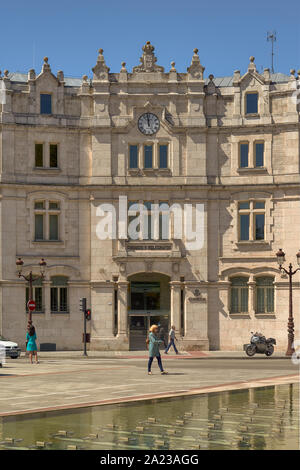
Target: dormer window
pixel 46 103
pixel 251 103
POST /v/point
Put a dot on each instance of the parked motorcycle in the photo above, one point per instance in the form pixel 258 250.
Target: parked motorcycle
pixel 259 344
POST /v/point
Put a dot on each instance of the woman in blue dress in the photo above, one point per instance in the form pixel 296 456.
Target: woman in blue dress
pixel 154 343
pixel 31 346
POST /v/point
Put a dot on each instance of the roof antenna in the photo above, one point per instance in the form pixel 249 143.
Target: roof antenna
pixel 271 36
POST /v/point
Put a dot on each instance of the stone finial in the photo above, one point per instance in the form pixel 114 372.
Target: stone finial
pixel 60 76
pixel 46 67
pixel 100 70
pixel 123 67
pixel 85 84
pixel 196 69
pixel 292 74
pixel 172 69
pixel 252 66
pixel 148 60
pixel 31 74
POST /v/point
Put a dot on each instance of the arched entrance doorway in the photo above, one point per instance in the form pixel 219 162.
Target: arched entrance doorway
pixel 148 304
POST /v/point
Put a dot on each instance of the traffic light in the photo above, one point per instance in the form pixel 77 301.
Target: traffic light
pixel 88 314
pixel 82 304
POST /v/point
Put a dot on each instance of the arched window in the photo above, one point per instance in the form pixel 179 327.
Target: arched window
pixel 264 294
pixel 239 295
pixel 59 294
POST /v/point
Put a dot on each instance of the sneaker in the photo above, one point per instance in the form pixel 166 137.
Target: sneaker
pixel 166 352
pixel 164 372
pixel 149 373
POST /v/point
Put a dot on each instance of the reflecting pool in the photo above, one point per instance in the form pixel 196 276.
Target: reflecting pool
pixel 261 418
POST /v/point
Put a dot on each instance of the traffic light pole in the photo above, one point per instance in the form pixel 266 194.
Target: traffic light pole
pixel 84 335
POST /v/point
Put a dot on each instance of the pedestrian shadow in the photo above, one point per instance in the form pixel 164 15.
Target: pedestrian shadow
pixel 176 373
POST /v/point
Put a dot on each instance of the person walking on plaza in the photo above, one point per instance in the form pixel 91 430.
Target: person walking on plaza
pixel 172 339
pixel 31 346
pixel 154 342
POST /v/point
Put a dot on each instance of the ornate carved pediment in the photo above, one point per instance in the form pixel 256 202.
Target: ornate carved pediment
pixel 210 88
pixel 148 60
pixel 100 70
pixel 196 69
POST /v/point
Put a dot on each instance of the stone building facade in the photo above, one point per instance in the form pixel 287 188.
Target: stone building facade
pixel 69 145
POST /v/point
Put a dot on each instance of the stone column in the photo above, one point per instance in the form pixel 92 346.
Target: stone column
pixel 196 316
pixel 47 299
pixel 122 309
pixel 175 305
pixel 251 302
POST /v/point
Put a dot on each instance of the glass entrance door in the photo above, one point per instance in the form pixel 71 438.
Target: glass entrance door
pixel 139 326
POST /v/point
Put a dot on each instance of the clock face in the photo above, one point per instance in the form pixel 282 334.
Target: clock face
pixel 148 123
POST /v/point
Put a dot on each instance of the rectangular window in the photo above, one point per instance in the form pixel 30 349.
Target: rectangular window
pixel 39 227
pixel 259 226
pixel 54 299
pixel 53 155
pixel 259 154
pixel 252 103
pixel 46 103
pixel 163 156
pixel 244 152
pixel 133 156
pixel 148 156
pixel 264 295
pixel 164 221
pixel 59 294
pixel 148 222
pixel 39 205
pixel 132 219
pixel 259 205
pixel 63 301
pixel 39 157
pixel 53 227
pixel 244 226
pixel 239 295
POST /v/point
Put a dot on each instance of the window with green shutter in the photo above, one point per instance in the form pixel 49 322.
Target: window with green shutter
pixel 239 295
pixel 59 294
pixel 265 294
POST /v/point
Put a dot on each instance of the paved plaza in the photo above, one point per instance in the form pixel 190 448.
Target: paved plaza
pixel 69 380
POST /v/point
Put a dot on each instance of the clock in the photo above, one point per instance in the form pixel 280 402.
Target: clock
pixel 148 123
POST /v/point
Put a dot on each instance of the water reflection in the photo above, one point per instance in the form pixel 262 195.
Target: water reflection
pixel 262 418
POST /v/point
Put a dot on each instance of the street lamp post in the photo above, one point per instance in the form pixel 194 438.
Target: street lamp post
pixel 290 272
pixel 30 279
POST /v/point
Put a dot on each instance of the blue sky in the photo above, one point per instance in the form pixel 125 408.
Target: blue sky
pixel 71 32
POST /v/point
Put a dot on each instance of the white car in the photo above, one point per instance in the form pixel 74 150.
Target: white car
pixel 9 349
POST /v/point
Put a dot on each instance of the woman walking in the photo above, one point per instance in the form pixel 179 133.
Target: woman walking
pixel 154 343
pixel 31 346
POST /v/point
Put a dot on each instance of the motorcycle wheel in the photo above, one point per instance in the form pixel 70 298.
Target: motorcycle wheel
pixel 270 351
pixel 250 351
